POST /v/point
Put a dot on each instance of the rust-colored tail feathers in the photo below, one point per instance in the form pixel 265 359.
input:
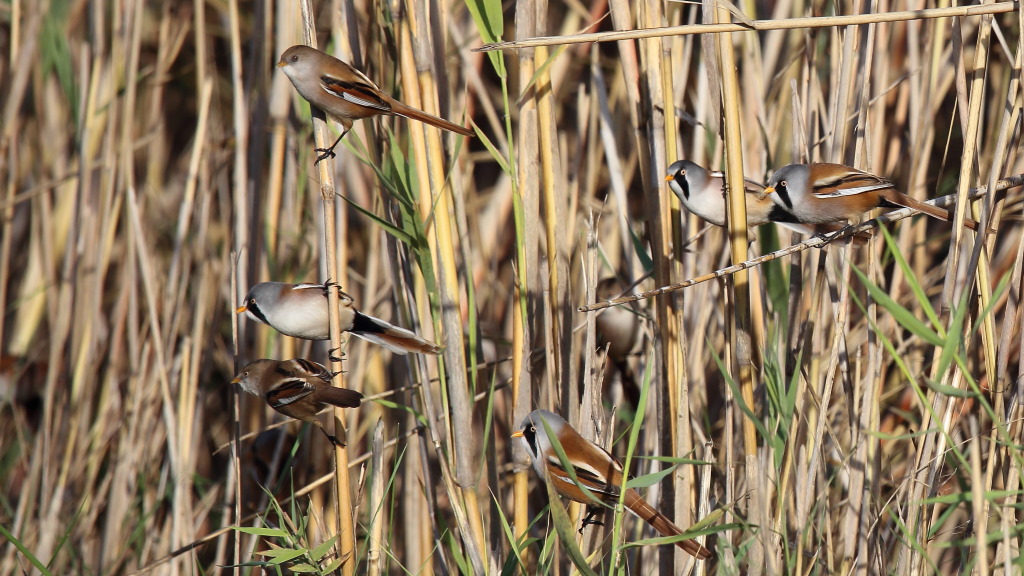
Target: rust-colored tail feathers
pixel 900 199
pixel 663 525
pixel 417 114
pixel 398 340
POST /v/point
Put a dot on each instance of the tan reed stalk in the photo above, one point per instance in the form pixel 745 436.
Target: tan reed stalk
pixel 739 326
pixel 278 107
pixel 558 334
pixel 526 197
pixel 377 504
pixel 436 205
pixel 758 25
pixel 343 503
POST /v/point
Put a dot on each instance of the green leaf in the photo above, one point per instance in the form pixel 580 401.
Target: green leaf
pixel 303 568
pixel 951 390
pixel 398 233
pixel 282 555
pixel 320 551
pixel 332 566
pixel 911 279
pixel 489 18
pixel 24 551
pixel 904 317
pixel 648 480
pixel 258 531
pixel 565 531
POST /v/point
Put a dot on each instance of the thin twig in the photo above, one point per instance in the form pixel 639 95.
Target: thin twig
pixel 813 242
pixel 756 25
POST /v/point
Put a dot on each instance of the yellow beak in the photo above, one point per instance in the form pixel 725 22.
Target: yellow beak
pixel 769 190
pixel 282 63
pixel 236 380
pixel 669 177
pixel 517 434
pixel 240 309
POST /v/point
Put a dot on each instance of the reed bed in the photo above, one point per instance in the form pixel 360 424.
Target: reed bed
pixel 854 409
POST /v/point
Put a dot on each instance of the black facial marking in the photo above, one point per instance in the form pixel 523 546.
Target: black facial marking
pixel 684 184
pixel 783 191
pixel 778 214
pixel 530 434
pixel 253 308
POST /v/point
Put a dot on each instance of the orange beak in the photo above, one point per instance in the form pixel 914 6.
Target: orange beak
pixel 240 309
pixel 517 434
pixel 769 190
pixel 669 177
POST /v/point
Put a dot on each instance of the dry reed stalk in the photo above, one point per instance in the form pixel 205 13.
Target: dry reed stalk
pixel 526 191
pixel 343 506
pixel 738 329
pixel 376 500
pixel 756 25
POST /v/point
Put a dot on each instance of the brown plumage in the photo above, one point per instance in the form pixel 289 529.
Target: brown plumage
pixel 297 388
pixel 822 193
pixel 594 469
pixel 346 94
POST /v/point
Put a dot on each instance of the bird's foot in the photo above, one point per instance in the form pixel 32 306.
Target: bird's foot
pixel 592 512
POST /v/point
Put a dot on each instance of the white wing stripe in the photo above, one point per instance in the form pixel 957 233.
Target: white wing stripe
pixel 853 191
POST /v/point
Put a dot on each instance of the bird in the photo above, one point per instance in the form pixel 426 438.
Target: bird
pixel 621 330
pixel 702 192
pixel 594 468
pixel 300 310
pixel 346 94
pixel 822 193
pixel 297 388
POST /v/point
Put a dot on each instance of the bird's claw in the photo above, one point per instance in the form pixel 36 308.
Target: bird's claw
pixel 592 511
pixel 333 358
pixel 325 153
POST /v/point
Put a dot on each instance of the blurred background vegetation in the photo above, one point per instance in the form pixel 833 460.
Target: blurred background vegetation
pixel 853 410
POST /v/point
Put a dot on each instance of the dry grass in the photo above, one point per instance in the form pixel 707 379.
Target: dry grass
pixel 851 410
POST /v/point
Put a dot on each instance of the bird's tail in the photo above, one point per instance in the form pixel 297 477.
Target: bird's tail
pixel 340 397
pixel 417 114
pixel 398 340
pixel 935 211
pixel 663 525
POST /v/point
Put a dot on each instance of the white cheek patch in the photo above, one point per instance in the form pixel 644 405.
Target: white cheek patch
pixel 853 191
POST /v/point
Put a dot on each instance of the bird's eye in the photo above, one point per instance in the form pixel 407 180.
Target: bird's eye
pixel 252 300
pixel 533 428
pixel 783 184
pixel 295 57
pixel 682 172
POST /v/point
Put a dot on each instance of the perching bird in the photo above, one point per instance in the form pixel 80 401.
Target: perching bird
pixel 300 310
pixel 594 468
pixel 297 388
pixel 824 193
pixel 346 94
